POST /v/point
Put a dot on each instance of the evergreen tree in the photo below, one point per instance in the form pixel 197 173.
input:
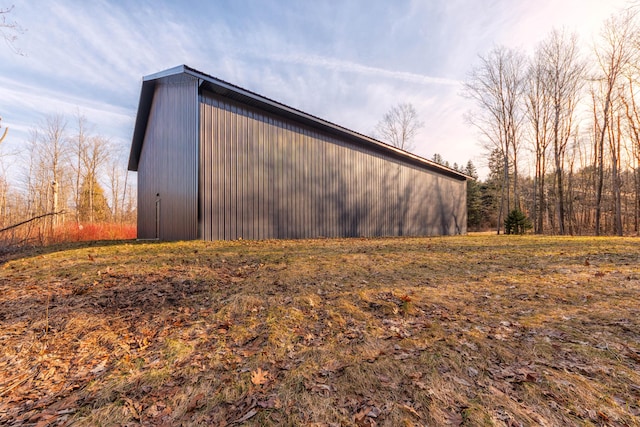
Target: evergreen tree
pixel 93 205
pixel 516 222
pixel 474 198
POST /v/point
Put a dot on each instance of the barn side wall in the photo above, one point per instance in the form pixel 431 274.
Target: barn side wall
pixel 168 167
pixel 267 177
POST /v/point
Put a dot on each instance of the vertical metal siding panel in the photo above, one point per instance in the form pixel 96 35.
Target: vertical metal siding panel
pixel 251 175
pixel 247 204
pixel 204 169
pixel 217 168
pixel 303 227
pixel 287 186
pixel 264 181
pixel 239 165
pixel 320 206
pixel 292 169
pixel 308 162
pixel 271 182
pixel 306 186
pixel 300 168
pixel 336 190
pixel 233 166
pixel 169 161
pixel 358 194
pixel 370 179
pixel 255 170
pixel 242 174
pixel 277 179
pixel 259 177
pixel 332 196
pixel 226 140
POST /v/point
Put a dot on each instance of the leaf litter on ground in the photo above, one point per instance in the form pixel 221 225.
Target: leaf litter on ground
pixel 469 330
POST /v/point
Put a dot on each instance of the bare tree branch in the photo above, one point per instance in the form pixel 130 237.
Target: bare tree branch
pixel 10 29
pixel 399 126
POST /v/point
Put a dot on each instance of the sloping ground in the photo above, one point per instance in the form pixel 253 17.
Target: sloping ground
pixel 490 330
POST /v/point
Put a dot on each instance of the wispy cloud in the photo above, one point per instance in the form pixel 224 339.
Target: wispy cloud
pixel 353 67
pixel 346 62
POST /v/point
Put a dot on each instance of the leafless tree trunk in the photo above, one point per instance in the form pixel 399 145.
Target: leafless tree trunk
pixel 633 125
pixel 564 73
pixel 539 119
pixel 614 55
pixel 614 149
pixel 399 126
pixel 79 151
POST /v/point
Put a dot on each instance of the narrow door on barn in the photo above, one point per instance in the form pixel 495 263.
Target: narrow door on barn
pixel 158 216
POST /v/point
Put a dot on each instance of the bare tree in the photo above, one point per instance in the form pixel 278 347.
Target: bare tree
pixel 614 55
pixel 96 156
pixel 10 29
pixel 564 72
pixel 47 171
pixel 496 85
pixel 3 133
pixel 78 146
pixel 399 126
pixel 632 112
pixel 538 114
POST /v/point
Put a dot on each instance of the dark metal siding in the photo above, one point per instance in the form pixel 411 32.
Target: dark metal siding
pixel 266 176
pixel 168 163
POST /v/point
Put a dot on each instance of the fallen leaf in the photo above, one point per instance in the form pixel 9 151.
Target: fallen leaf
pixel 420 385
pixel 405 298
pixel 373 412
pixel 195 402
pixel 259 377
pixel 100 367
pixel 246 416
pixel 271 403
pixel 411 410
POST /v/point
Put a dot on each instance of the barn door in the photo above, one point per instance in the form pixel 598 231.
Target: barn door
pixel 158 217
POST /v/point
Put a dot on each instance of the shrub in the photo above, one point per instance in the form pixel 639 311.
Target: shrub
pixel 516 222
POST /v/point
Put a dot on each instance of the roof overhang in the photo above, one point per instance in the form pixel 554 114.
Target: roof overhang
pixel 228 90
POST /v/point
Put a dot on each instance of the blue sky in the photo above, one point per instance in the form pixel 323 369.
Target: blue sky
pixel 345 61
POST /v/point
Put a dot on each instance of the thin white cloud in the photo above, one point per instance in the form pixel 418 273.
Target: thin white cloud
pixel 347 66
pixel 352 67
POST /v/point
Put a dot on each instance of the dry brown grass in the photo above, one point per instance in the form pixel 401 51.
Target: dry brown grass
pixel 473 330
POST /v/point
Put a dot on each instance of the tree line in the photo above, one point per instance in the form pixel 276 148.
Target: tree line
pixel 67 174
pixel 561 128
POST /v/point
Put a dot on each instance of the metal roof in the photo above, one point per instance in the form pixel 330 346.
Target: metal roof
pixel 220 87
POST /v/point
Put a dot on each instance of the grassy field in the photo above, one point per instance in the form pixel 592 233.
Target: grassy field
pixel 471 330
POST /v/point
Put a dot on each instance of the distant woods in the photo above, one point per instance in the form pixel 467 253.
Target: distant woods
pixel 561 128
pixel 67 177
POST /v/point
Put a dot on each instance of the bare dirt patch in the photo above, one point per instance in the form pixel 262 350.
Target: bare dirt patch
pixel 474 330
